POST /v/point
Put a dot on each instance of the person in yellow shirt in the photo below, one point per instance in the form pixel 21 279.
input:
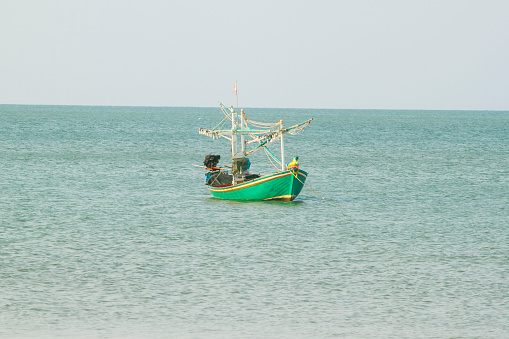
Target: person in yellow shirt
pixel 294 165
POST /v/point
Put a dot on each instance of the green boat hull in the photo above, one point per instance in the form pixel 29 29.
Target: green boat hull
pixel 278 186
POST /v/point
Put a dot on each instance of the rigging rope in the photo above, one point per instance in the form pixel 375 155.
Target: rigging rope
pixel 297 130
pixel 263 124
pixel 221 123
pixel 268 153
pixel 309 188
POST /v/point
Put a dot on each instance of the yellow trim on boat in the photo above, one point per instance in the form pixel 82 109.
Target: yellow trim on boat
pixel 251 183
pixel 287 197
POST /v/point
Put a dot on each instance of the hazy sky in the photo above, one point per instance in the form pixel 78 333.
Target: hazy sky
pixel 444 54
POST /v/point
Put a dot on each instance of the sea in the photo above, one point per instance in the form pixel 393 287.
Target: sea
pixel 108 231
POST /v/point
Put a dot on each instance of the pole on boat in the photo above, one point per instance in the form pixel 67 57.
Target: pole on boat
pixel 234 137
pixel 234 122
pixel 282 147
pixel 234 132
pixel 242 137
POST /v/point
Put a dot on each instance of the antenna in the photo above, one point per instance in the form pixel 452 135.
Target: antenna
pixel 236 95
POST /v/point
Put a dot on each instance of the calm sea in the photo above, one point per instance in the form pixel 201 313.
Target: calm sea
pixel 107 231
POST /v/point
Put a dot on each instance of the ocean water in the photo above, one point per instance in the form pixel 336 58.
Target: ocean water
pixel 107 231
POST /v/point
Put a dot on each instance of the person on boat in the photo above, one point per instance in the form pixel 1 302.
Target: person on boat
pixel 294 165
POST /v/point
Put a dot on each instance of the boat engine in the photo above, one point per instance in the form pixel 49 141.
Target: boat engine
pixel 211 161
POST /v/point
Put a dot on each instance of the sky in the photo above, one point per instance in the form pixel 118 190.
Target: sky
pixel 446 54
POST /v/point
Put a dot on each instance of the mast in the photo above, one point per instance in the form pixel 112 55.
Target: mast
pixel 234 134
pixel 243 125
pixel 282 147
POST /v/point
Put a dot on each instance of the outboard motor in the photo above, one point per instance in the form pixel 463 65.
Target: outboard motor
pixel 211 161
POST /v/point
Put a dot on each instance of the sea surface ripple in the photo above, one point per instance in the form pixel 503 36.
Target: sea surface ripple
pixel 106 230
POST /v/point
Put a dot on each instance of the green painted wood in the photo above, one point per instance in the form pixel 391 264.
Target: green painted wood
pixel 280 186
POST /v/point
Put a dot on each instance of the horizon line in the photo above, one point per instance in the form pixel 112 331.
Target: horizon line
pixel 248 107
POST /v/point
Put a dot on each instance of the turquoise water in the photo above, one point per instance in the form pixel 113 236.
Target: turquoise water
pixel 106 230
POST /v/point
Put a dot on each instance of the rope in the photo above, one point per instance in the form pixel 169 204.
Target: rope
pixel 309 188
pixel 221 123
pixel 298 130
pixel 266 152
pixel 228 161
pixel 263 124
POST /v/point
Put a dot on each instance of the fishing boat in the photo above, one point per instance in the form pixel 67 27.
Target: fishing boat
pixel 236 182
